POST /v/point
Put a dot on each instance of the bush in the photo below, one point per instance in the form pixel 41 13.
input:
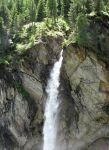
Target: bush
pixel 81 34
pixel 82 26
pixel 31 33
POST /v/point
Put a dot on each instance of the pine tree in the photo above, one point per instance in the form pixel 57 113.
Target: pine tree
pixel 98 6
pixel 89 6
pixel 51 9
pixel 20 6
pixel 36 2
pixel 15 19
pixel 73 12
pixel 5 13
pixel 65 8
pixel 10 4
pixel 40 10
pixel 32 11
pixel 1 25
pixel 59 7
pixel 105 2
pixel 76 7
pixel 62 8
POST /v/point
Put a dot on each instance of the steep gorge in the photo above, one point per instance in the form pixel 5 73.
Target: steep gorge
pixel 83 96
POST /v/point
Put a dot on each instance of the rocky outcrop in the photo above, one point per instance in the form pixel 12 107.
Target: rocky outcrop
pixel 89 82
pixel 22 95
pixel 13 120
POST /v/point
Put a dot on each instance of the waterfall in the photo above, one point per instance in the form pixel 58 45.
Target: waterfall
pixel 51 108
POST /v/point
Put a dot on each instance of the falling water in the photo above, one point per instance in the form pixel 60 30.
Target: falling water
pixel 51 108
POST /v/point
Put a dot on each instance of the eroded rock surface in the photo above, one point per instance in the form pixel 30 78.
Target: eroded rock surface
pixel 83 95
pixel 89 83
pixel 22 96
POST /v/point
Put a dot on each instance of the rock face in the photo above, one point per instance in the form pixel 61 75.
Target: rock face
pixel 13 120
pixel 22 95
pixel 83 96
pixel 89 82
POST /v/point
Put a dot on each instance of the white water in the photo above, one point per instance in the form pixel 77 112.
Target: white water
pixel 51 108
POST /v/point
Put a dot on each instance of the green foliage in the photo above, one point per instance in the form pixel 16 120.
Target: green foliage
pixel 51 9
pixel 82 26
pixel 6 59
pixel 5 14
pixel 40 10
pixel 89 6
pixel 16 13
pixel 85 7
pixel 81 34
pixel 80 14
pixel 77 7
pixel 59 7
pixel 29 35
pixel 1 25
pixel 99 5
pixel 65 8
pixel 21 90
pixel 32 12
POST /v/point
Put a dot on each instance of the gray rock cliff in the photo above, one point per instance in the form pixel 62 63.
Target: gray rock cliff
pixel 83 96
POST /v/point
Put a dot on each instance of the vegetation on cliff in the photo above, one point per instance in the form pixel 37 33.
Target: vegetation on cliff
pixel 84 22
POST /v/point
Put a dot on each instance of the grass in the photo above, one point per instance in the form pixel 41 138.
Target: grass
pixel 21 90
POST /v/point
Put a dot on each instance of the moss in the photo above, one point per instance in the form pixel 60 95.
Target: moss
pixel 6 60
pixel 21 90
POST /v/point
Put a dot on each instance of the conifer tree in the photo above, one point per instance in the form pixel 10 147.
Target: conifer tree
pixel 98 6
pixel 40 10
pixel 65 8
pixel 51 9
pixel 59 2
pixel 5 13
pixel 10 4
pixel 1 25
pixel 73 11
pixel 76 7
pixel 36 2
pixel 89 6
pixel 15 19
pixel 20 6
pixel 32 11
